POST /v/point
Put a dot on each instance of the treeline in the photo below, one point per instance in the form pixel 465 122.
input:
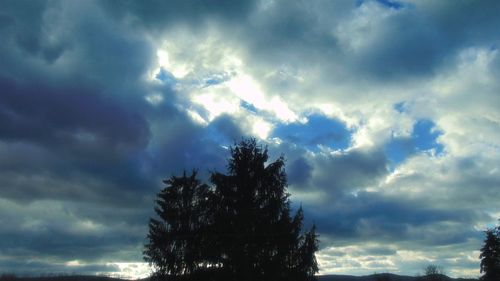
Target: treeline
pixel 239 227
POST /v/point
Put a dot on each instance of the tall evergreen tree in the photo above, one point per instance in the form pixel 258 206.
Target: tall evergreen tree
pixel 308 264
pixel 177 240
pixel 261 240
pixel 239 229
pixel 490 255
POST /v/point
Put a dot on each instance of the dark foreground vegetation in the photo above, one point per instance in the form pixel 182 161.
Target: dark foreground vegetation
pixel 240 227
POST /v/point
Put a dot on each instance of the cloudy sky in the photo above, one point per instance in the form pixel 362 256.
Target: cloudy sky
pixel 388 113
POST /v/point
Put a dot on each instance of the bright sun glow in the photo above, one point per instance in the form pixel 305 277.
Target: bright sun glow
pixel 222 96
pixel 282 110
pixel 261 128
pixel 248 90
pixel 179 70
pixel 216 104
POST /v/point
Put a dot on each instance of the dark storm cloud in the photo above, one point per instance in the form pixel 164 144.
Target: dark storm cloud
pixel 45 114
pixel 428 35
pixel 92 50
pixel 461 185
pixel 373 216
pixel 416 40
pixel 299 171
pixel 225 130
pixel 157 15
pixel 296 158
pixel 57 232
pixel 92 149
pixel 348 171
pixel 180 144
pixel 296 33
pixel 62 245
pixel 24 20
pixel 43 268
pixel 83 113
pixel 81 148
pixel 77 132
pixel 347 215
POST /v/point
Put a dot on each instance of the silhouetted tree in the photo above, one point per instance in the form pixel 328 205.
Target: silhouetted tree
pixel 241 228
pixel 261 241
pixel 177 246
pixel 490 255
pixel 433 272
pixel 307 260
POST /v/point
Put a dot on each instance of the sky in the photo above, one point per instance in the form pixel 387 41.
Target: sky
pixel 388 113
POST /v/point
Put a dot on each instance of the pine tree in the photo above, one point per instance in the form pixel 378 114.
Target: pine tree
pixel 490 255
pixel 262 241
pixel 308 265
pixel 240 229
pixel 176 245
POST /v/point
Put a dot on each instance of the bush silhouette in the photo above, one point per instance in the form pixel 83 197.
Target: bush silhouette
pixel 433 272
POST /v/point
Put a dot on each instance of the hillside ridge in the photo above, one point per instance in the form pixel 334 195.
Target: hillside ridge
pixel 330 277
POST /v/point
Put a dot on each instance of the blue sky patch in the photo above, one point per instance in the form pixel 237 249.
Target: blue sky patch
pixel 423 138
pixel 386 3
pixel 165 76
pixel 398 149
pixel 400 107
pixel 319 130
pixel 248 106
pixel 215 79
pixel 391 4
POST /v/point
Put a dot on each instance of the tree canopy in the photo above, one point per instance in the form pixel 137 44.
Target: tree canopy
pixel 240 227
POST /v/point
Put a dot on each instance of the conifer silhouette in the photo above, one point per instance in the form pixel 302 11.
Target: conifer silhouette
pixel 239 228
pixel 490 255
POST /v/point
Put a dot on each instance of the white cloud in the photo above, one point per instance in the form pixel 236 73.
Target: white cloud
pixel 130 270
pixel 468 104
pixel 362 28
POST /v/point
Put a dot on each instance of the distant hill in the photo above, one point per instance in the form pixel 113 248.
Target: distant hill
pixel 10 277
pixel 373 277
pixel 382 277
